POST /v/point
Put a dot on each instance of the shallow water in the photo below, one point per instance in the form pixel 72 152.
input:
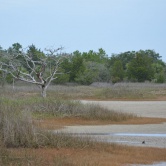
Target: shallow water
pixel 139 135
pixel 156 164
pixel 131 139
pixel 125 134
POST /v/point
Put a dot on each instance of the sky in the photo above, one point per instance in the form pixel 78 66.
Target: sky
pixel 114 25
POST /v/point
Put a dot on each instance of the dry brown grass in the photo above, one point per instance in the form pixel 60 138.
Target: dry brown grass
pixel 101 155
pixel 81 153
pixel 58 123
pixel 119 91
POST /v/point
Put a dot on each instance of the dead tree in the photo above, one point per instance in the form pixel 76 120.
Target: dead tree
pixel 22 66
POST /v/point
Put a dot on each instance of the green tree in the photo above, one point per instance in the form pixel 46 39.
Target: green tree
pixel 99 57
pixel 94 72
pixel 151 53
pixel 140 68
pixel 35 53
pixel 159 76
pixel 117 72
pixel 125 58
pixel 17 47
pixel 76 65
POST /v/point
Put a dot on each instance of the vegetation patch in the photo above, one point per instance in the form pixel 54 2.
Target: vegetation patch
pixel 118 91
pixel 63 108
pixel 24 142
pixel 59 123
pixel 100 155
pixel 17 130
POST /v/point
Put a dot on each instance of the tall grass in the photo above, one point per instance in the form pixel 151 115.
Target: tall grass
pixel 17 130
pixel 19 106
pixel 132 91
pixel 15 126
pixel 68 108
pixel 115 91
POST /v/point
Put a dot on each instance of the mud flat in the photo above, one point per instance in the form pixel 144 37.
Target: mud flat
pixel 151 135
pixel 134 135
pixel 140 108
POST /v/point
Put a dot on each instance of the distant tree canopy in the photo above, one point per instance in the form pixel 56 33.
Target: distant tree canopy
pixel 117 71
pixel 138 66
pixel 88 67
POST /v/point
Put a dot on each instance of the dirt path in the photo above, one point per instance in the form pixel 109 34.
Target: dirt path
pixel 154 135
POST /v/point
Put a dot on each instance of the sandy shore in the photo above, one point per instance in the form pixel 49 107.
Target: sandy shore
pixel 154 135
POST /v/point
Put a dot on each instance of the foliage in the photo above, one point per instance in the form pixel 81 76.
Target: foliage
pixel 159 71
pixel 61 79
pixel 125 58
pixel 117 71
pixel 94 72
pixel 33 67
pixel 140 68
pixel 100 56
pixel 77 65
pixel 88 67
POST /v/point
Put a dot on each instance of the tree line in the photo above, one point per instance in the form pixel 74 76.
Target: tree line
pixel 83 67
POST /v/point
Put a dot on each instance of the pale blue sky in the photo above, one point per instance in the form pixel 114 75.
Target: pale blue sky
pixel 114 25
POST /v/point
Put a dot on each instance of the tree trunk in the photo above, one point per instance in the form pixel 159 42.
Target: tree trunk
pixel 43 93
pixel 3 80
pixel 13 84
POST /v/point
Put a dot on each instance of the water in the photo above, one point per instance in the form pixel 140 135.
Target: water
pixel 125 134
pixel 156 164
pixel 139 135
pixel 151 140
pixel 131 139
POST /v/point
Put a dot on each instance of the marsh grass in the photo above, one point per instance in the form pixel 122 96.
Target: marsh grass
pixel 116 91
pixel 21 142
pixel 64 108
pixel 132 91
pixel 22 158
pixel 17 116
pixel 101 155
pixel 15 126
pixel 17 130
pixel 4 154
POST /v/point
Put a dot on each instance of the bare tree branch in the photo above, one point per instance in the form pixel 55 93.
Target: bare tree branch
pixel 23 67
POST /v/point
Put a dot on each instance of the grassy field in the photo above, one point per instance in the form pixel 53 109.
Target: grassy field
pixel 25 116
pixel 119 91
